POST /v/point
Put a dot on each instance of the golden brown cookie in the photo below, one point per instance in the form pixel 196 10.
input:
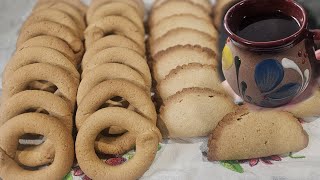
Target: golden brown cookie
pixel 147 140
pixel 113 25
pixel 205 4
pixel 122 56
pixel 33 55
pixel 118 9
pixel 193 112
pixel 50 42
pixel 188 76
pixel 182 21
pixel 247 135
pixel 174 7
pixel 35 123
pixel 183 36
pixel 169 59
pixel 77 16
pixel 52 29
pixel 108 42
pixel 109 71
pixel 20 79
pixel 138 5
pixel 308 108
pixel 78 4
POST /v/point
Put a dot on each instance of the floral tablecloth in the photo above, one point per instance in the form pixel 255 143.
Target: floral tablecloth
pixel 184 158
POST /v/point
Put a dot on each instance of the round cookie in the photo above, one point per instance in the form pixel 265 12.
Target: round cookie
pixel 188 76
pixel 109 71
pixel 50 42
pixel 182 21
pixel 118 9
pixel 183 36
pixel 52 29
pixel 33 55
pixel 111 41
pixel 66 8
pixel 167 60
pixel 54 16
pixel 147 140
pixel 138 5
pixel 205 4
pixel 48 126
pixel 193 112
pixel 113 25
pixel 174 7
pixel 247 135
pixel 123 56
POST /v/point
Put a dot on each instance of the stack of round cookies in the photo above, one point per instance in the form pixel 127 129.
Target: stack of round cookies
pixel 183 49
pixel 115 111
pixel 39 92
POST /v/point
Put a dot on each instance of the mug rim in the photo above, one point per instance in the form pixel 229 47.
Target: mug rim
pixel 269 44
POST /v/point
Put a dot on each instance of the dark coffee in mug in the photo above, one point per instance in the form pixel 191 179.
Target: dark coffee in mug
pixel 267 27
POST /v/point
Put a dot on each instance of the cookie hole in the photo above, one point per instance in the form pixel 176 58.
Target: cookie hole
pixel 37 110
pixel 43 86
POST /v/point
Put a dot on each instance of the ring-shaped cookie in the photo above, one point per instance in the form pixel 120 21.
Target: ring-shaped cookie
pixel 148 138
pixel 111 41
pixel 113 25
pixel 33 55
pixel 51 29
pixel 35 123
pixel 205 4
pixel 80 6
pixel 54 16
pixel 138 5
pixel 117 9
pixel 50 42
pixel 106 72
pixel 66 8
pixel 20 80
pixel 119 55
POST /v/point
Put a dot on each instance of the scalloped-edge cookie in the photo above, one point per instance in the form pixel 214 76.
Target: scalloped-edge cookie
pixel 308 108
pixel 182 21
pixel 179 55
pixel 246 135
pixel 188 76
pixel 174 7
pixel 183 36
pixel 205 4
pixel 193 112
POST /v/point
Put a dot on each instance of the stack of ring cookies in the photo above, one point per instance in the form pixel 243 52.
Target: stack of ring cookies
pixel 39 93
pixel 115 111
pixel 183 50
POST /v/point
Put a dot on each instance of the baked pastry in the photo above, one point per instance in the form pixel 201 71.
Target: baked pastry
pixel 169 8
pixel 205 4
pixel 182 21
pixel 188 76
pixel 169 59
pixel 183 36
pixel 247 135
pixel 193 112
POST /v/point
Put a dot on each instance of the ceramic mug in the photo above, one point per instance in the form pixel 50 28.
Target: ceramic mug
pixel 269 74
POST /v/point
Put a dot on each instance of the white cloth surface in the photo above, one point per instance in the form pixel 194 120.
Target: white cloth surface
pixel 181 159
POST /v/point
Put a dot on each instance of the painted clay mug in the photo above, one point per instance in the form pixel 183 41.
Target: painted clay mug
pixel 273 73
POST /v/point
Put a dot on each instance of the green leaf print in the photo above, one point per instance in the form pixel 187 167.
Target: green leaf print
pixel 296 156
pixel 232 165
pixel 159 147
pixel 68 176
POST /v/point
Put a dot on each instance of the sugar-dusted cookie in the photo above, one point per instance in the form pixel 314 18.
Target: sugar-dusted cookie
pixel 247 135
pixel 183 36
pixel 122 56
pixel 182 21
pixel 52 29
pixel 113 25
pixel 193 112
pixel 179 55
pixel 174 7
pixel 188 76
pixel 119 9
pixel 205 4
